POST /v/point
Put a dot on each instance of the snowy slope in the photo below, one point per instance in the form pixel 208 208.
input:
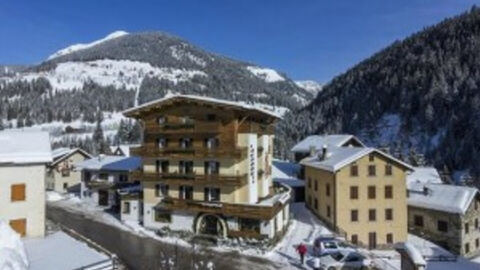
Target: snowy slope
pixel 81 46
pixel 311 86
pixel 267 74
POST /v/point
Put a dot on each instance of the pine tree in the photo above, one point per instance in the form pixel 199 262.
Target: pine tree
pixel 100 145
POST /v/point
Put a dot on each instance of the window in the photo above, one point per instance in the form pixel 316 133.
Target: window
pixel 354 215
pixel 327 190
pixel 103 176
pixel 161 190
pixel 389 214
pixel 388 170
pixel 389 238
pixel 161 166
pixel 371 192
pixel 372 215
pixel 477 243
pixel 371 157
pixel 354 239
pixel 122 178
pixel 388 192
pixel 211 117
pixel 185 143
pixel 19 225
pixel 315 185
pixel 371 170
pixel 17 192
pixel 65 186
pixel 161 120
pixel 315 204
pixel 467 248
pixel 162 216
pixel 476 223
pixel 162 143
pixel 354 170
pixel 211 167
pixel 248 224
pixel 467 228
pixel 329 212
pixel 186 193
pixel 126 208
pixel 211 143
pixel 65 172
pixel 309 182
pixel 418 220
pixel 87 176
pixel 442 226
pixel 211 194
pixel 185 167
pixel 354 192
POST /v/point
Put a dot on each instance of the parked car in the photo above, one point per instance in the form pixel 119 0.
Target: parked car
pixel 344 260
pixel 328 244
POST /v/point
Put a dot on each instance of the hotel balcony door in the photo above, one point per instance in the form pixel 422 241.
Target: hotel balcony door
pixel 372 240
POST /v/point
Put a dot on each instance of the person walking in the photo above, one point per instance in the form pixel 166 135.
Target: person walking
pixel 302 250
pixel 316 263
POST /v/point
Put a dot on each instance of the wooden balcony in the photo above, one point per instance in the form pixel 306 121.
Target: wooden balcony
pixel 254 211
pixel 152 150
pixel 190 178
pixel 184 128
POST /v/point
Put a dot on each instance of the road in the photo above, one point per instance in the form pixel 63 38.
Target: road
pixel 143 253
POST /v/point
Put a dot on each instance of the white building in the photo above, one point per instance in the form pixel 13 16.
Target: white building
pixel 62 176
pixel 103 176
pixel 23 159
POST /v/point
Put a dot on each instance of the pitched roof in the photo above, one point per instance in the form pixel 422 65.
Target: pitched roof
pixel 23 147
pixel 111 163
pixel 203 99
pixel 441 197
pixel 318 141
pixel 423 175
pixel 62 153
pixel 124 148
pixel 338 157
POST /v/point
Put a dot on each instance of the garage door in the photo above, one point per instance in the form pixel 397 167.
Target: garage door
pixel 19 225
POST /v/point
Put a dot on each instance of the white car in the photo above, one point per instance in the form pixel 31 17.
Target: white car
pixel 325 245
pixel 344 260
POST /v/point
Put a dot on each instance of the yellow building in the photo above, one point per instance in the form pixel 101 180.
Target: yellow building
pixel 360 193
pixel 207 168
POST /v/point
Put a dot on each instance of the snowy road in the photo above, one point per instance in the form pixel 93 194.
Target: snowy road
pixel 146 253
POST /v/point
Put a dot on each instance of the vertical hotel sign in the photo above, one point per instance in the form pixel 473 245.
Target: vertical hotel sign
pixel 252 171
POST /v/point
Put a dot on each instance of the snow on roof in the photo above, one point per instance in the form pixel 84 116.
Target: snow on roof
pixel 125 148
pixel 111 163
pixel 441 197
pixel 61 153
pixel 423 175
pixel 25 147
pixel 338 157
pixel 318 141
pixel 286 173
pixel 413 253
pixel 203 99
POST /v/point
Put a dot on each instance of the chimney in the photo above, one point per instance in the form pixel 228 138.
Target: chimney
pixel 312 150
pixel 323 155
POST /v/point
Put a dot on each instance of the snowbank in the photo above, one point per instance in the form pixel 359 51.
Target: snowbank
pixel 53 196
pixel 12 251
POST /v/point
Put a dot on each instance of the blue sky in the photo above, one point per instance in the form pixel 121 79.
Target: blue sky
pixel 304 38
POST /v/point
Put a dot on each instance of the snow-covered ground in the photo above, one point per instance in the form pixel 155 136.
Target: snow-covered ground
pixel 59 251
pixel 267 74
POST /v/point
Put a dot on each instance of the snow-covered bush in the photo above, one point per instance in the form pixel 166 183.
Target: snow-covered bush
pixel 12 251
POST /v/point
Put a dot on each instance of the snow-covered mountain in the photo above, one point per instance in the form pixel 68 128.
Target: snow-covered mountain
pixel 311 86
pixel 124 69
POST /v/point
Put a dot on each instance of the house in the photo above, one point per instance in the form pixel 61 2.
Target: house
pixel 316 142
pixel 448 215
pixel 360 193
pixel 208 168
pixel 62 175
pixel 122 149
pixel 103 176
pixel 23 160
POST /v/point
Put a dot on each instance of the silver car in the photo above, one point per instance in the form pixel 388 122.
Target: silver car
pixel 344 260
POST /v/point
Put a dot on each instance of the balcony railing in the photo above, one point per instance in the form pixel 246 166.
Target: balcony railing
pixel 187 127
pixel 152 150
pixel 189 178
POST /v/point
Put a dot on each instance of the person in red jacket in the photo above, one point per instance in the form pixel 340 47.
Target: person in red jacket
pixel 302 250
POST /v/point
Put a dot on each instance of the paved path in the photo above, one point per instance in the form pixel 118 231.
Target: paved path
pixel 146 253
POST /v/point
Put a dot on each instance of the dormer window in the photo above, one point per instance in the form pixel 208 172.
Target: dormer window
pixel 161 120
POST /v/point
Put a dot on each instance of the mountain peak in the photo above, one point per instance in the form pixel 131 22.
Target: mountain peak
pixel 81 46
